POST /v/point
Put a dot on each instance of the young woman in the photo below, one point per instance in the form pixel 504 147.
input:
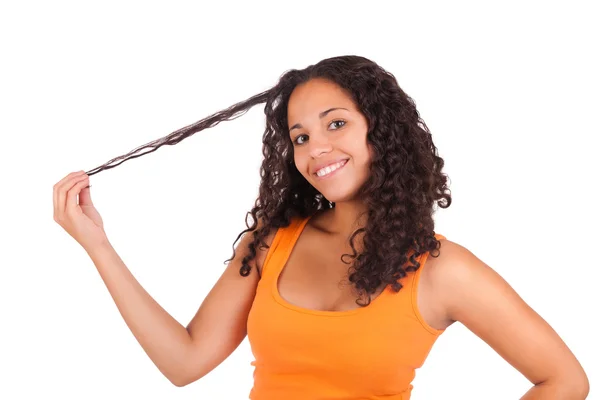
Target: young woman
pixel 343 286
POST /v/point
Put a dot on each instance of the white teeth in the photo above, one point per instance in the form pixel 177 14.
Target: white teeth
pixel 327 170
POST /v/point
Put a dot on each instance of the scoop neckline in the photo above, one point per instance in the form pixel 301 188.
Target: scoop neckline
pixel 324 313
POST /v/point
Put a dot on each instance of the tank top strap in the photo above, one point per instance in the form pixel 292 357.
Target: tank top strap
pixel 386 303
pixel 406 299
pixel 422 259
pixel 282 245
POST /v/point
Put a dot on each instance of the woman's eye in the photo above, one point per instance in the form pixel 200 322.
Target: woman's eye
pixel 297 142
pixel 338 120
pixel 298 138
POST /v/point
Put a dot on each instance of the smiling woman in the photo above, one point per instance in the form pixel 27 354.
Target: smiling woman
pixel 331 139
pixel 343 285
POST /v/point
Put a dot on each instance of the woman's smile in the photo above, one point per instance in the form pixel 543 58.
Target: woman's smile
pixel 332 170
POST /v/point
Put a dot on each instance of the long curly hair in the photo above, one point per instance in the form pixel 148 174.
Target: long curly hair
pixel 404 184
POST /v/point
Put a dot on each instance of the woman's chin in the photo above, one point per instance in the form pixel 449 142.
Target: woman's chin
pixel 339 196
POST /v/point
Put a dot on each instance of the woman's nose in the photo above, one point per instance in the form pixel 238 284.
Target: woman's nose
pixel 319 145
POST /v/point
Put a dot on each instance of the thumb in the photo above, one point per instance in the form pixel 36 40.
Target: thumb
pixel 85 197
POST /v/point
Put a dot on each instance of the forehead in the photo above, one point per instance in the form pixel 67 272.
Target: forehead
pixel 314 96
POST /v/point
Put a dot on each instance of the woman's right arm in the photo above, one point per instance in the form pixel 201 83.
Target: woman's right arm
pixel 182 354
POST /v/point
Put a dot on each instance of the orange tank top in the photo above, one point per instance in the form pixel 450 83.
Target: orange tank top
pixel 366 353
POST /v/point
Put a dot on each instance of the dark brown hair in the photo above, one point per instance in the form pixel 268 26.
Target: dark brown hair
pixel 405 182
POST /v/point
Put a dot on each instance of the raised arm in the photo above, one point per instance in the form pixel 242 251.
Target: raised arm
pixel 182 354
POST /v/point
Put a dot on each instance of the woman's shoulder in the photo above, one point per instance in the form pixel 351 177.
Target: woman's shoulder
pixel 443 261
pixel 261 252
pixel 454 271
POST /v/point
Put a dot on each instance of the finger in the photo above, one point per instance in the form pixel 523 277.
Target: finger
pixel 74 191
pixel 64 189
pixel 56 188
pixel 85 196
pixel 61 188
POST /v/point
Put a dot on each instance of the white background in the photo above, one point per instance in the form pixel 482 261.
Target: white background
pixel 510 92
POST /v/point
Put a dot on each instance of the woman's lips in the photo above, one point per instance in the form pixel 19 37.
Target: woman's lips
pixel 331 174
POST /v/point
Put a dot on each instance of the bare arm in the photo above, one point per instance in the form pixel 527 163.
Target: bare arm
pixel 475 295
pixel 165 340
pixel 183 354
pixel 220 324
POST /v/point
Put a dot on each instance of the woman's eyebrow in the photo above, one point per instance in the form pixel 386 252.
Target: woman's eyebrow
pixel 321 115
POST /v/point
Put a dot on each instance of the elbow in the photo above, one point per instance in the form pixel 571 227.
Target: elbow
pixel 580 386
pixel 576 388
pixel 177 377
pixel 584 387
pixel 183 373
pixel 179 381
pixel 579 392
pixel 182 380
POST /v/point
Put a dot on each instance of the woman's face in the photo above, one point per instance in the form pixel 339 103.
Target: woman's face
pixel 327 130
